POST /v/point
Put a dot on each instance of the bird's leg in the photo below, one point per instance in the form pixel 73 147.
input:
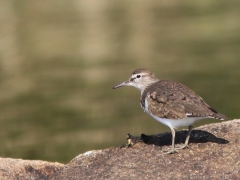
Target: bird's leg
pixel 187 139
pixel 173 149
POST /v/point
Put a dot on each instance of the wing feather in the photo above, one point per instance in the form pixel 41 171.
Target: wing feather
pixel 172 100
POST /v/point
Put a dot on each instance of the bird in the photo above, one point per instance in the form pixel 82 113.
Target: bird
pixel 171 103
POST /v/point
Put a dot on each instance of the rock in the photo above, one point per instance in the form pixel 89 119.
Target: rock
pixel 12 169
pixel 214 153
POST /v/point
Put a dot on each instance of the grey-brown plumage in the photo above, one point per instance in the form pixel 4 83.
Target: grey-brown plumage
pixel 173 100
pixel 170 103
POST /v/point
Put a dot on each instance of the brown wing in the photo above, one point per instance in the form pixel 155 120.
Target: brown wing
pixel 173 100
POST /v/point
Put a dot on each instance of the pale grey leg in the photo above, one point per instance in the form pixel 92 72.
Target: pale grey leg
pixel 187 139
pixel 173 149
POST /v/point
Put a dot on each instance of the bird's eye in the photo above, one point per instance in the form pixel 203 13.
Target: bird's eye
pixel 138 76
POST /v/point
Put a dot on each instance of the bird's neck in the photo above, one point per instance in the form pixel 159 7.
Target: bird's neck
pixel 146 85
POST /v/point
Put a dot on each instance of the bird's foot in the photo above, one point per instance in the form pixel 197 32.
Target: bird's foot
pixel 171 151
pixel 182 146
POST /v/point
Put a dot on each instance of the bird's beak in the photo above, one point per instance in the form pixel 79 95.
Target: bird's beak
pixel 125 83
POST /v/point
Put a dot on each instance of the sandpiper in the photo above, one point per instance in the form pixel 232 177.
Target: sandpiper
pixel 170 103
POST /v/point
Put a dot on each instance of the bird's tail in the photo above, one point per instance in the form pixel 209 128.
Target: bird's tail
pixel 220 116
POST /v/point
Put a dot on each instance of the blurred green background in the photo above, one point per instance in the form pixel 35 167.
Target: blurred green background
pixel 60 59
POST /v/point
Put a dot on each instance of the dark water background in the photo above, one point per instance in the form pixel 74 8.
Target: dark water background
pixel 60 59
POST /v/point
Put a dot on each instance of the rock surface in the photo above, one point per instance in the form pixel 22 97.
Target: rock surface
pixel 214 153
pixel 12 169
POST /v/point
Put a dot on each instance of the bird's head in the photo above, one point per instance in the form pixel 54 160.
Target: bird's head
pixel 140 79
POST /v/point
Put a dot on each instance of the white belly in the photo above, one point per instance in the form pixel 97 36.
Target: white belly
pixel 174 123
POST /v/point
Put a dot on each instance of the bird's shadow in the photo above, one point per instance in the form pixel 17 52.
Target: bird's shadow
pixel 197 136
